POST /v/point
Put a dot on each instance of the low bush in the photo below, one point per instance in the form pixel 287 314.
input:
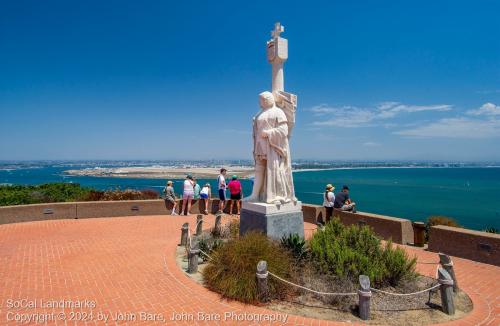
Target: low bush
pixel 491 229
pixel 438 220
pixel 295 244
pixel 44 193
pixel 350 251
pixel 66 192
pixel 208 245
pixel 231 271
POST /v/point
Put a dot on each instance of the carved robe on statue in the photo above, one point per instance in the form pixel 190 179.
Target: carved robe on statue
pixel 273 169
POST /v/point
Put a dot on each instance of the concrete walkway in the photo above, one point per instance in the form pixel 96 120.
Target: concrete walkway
pixel 126 265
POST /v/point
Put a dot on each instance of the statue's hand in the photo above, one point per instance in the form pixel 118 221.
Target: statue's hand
pixel 264 134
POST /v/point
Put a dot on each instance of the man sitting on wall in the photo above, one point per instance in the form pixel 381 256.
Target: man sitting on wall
pixel 343 201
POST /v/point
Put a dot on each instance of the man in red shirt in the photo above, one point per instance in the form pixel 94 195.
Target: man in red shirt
pixel 236 194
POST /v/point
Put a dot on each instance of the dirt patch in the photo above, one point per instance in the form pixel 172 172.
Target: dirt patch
pixel 421 309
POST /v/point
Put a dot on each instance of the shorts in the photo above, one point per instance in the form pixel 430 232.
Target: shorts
pixel 188 195
pixel 169 199
pixel 204 196
pixel 236 196
pixel 222 194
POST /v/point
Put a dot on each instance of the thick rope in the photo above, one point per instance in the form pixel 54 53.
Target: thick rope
pixel 427 262
pixel 310 290
pixel 406 294
pixel 208 256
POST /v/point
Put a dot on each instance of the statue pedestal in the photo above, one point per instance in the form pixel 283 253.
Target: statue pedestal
pixel 273 220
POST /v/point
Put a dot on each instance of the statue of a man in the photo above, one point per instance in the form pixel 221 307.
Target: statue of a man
pixel 273 169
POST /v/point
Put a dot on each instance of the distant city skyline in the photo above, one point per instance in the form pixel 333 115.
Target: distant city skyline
pixel 118 80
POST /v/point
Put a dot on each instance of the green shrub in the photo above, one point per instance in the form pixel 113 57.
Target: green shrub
pixel 231 271
pixel 44 193
pixel 295 244
pixel 438 220
pixel 350 251
pixel 208 245
pixel 65 192
pixel 491 229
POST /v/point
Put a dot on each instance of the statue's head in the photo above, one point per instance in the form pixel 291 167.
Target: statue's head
pixel 266 100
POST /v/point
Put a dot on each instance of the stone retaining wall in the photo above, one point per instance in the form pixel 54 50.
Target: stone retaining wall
pixel 475 245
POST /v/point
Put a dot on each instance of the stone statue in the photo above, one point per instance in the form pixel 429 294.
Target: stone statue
pixel 272 208
pixel 273 169
pixel 272 128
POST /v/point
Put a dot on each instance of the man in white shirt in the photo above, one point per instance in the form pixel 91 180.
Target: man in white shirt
pixel 221 181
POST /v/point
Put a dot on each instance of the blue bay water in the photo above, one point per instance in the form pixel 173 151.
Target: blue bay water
pixel 470 195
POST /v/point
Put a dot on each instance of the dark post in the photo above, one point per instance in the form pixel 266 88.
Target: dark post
pixel 199 225
pixel 419 234
pixel 262 281
pixel 184 234
pixel 447 264
pixel 193 254
pixel 446 289
pixel 218 217
pixel 364 295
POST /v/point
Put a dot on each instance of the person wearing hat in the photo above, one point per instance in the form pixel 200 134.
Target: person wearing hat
pixel 205 194
pixel 170 196
pixel 187 195
pixel 343 201
pixel 236 194
pixel 328 202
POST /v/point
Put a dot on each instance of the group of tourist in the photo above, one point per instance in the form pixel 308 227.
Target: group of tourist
pixel 341 201
pixel 193 191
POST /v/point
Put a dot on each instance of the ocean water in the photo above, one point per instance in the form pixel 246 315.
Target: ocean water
pixel 470 195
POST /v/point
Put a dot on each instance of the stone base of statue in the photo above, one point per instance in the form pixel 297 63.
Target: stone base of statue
pixel 273 220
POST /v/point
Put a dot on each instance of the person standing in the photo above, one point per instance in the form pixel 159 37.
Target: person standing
pixel 187 194
pixel 221 181
pixel 328 202
pixel 205 195
pixel 343 201
pixel 236 192
pixel 170 196
pixel 197 189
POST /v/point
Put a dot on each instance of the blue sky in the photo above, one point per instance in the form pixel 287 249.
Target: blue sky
pixel 407 80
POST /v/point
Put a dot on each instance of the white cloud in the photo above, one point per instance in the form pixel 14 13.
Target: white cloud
pixel 371 144
pixel 346 116
pixel 487 109
pixel 354 117
pixel 455 128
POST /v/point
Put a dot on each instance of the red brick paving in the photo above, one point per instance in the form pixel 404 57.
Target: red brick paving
pixel 127 265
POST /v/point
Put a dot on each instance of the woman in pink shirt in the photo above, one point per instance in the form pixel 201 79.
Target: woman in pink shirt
pixel 236 194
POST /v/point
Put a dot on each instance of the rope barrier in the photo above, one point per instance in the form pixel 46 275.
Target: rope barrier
pixel 209 257
pixel 406 294
pixel 310 290
pixel 428 262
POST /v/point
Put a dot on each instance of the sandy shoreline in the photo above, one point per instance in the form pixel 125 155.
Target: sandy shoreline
pixel 161 172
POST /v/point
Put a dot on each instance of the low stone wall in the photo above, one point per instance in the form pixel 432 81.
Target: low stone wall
pixel 475 245
pixel 398 229
pixel 92 209
pixel 38 212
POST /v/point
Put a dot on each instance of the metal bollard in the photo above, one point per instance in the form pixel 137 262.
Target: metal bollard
pixel 446 289
pixel 184 234
pixel 447 264
pixel 262 281
pixel 199 225
pixel 364 296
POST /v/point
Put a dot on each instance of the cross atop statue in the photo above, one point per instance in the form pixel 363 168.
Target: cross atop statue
pixel 278 29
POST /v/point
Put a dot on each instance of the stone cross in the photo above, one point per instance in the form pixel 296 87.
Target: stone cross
pixel 278 29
